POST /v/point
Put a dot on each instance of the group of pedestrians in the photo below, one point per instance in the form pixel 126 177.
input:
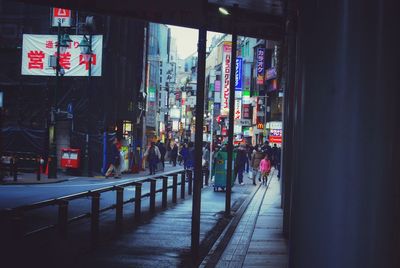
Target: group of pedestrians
pixel 263 158
pixel 257 161
pixel 177 153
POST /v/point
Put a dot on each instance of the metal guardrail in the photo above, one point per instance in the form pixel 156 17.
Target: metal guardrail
pixel 14 161
pixel 15 216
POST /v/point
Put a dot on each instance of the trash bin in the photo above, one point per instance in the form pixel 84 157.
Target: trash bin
pixel 70 158
pixel 220 169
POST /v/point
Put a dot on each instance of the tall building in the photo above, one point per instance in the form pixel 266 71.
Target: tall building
pixel 88 110
pixel 158 62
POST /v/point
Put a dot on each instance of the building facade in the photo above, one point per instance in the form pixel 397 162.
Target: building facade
pixel 89 110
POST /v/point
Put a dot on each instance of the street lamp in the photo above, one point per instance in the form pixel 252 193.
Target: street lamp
pixel 63 43
pixel 85 47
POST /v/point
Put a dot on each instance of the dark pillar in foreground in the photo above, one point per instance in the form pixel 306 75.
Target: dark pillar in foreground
pixel 230 131
pixel 288 158
pixel 198 172
pixel 346 186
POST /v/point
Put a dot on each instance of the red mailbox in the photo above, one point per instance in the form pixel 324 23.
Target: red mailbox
pixel 70 158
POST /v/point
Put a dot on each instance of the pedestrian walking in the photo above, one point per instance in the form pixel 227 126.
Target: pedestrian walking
pixel 206 162
pixel 277 157
pixel 180 158
pixel 190 156
pixel 265 169
pixel 163 151
pixel 153 156
pixel 249 151
pixel 240 163
pixel 168 147
pixel 114 168
pixel 174 152
pixel 256 158
pixel 185 155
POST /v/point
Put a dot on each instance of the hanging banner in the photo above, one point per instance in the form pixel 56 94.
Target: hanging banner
pixel 238 74
pixel 37 49
pixel 260 66
pixel 226 72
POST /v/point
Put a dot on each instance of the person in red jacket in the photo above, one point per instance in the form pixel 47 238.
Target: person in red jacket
pixel 265 169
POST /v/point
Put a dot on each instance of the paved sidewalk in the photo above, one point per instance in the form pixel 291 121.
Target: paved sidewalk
pixel 162 240
pixel 258 240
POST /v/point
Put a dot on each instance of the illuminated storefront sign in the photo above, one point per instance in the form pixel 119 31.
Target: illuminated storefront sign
pixel 270 73
pixel 275 136
pixel 246 111
pixel 238 109
pixel 238 74
pixel 226 72
pixel 260 66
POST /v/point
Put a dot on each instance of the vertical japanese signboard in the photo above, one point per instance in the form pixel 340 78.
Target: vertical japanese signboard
pixel 260 66
pixel 226 72
pixel 238 74
pixel 152 94
pixel 37 49
pixel 246 111
pixel 217 94
pixel 238 109
pixel 61 17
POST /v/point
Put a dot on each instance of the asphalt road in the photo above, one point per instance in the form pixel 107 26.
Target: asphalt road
pixel 17 195
pixel 12 196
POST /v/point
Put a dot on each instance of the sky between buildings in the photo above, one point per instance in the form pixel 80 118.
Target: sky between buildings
pixel 186 40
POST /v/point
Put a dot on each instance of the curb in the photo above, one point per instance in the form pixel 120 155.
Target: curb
pixel 32 183
pixel 223 240
pixel 214 255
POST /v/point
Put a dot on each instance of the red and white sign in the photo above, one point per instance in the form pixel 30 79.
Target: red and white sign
pixel 37 49
pixel 61 17
pixel 226 73
pixel 246 111
pixel 238 109
pixel 275 136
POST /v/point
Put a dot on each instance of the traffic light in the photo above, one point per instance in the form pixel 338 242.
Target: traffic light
pixel 180 125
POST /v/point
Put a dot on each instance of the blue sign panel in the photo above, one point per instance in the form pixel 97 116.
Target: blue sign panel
pixel 238 74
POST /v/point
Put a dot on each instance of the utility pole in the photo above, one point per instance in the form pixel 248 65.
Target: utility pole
pixel 198 172
pixel 86 51
pixel 231 118
pixel 52 164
